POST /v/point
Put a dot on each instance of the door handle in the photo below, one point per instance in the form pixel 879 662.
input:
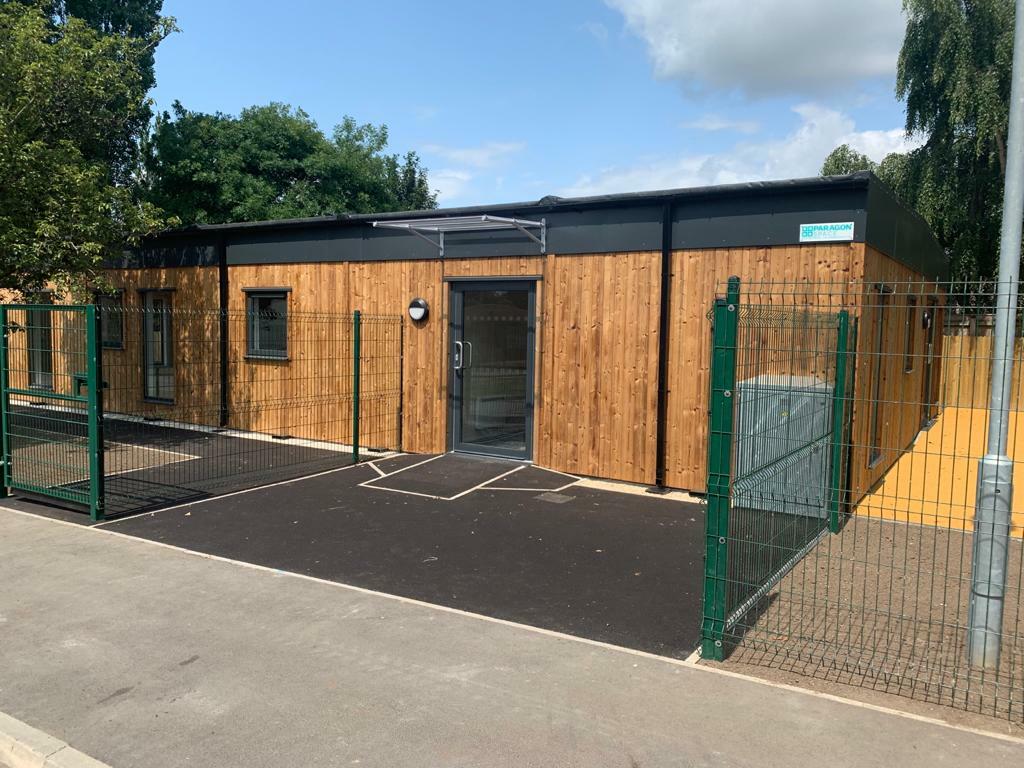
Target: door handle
pixel 469 355
pixel 458 356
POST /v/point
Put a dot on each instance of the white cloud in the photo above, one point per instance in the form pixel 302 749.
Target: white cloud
pixel 468 168
pixel 796 155
pixel 715 123
pixel 450 183
pixel 483 156
pixel 768 47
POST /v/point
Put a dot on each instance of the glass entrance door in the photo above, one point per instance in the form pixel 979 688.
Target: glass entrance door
pixel 491 356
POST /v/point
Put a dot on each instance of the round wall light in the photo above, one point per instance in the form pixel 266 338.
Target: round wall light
pixel 418 309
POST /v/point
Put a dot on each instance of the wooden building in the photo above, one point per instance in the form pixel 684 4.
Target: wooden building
pixel 570 332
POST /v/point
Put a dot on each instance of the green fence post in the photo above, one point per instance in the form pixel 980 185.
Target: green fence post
pixel 839 394
pixel 356 324
pixel 720 445
pixel 94 410
pixel 5 436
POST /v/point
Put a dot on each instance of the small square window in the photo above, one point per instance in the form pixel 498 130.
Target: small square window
pixel 267 324
pixel 111 309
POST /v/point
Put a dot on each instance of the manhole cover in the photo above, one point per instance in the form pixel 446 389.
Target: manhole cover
pixel 555 498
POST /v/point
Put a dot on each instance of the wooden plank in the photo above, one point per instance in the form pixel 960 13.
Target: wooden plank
pixel 597 344
pixel 805 274
pixel 900 406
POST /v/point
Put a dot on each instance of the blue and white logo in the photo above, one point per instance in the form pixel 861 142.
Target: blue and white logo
pixel 826 233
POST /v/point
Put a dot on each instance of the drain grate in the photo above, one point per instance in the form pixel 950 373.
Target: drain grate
pixel 555 498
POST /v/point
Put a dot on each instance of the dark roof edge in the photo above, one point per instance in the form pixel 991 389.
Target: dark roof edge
pixel 912 243
pixel 861 179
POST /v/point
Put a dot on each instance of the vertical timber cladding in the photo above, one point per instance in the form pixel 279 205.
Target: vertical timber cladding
pixel 599 375
pixel 195 299
pixel 597 347
pixel 901 391
pixel 698 275
pixel 322 297
pixel 596 357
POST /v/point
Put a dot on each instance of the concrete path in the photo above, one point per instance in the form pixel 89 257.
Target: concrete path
pixel 140 655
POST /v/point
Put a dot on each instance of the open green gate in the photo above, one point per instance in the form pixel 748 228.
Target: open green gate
pixel 51 403
pixel 780 382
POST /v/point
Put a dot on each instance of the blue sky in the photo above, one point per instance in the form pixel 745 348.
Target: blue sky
pixel 515 101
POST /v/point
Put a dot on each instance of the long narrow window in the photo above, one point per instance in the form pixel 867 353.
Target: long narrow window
pixel 111 309
pixel 40 345
pixel 877 368
pixel 910 336
pixel 158 346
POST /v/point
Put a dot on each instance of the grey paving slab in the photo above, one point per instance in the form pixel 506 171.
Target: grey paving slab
pixel 140 655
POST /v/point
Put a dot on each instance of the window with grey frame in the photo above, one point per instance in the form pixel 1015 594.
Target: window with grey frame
pixel 266 324
pixel 158 345
pixel 111 309
pixel 878 358
pixel 40 344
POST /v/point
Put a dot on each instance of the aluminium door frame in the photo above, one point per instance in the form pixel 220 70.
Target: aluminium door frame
pixel 456 288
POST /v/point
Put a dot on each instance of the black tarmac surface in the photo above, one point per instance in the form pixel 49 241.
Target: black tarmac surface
pixel 158 465
pixel 619 568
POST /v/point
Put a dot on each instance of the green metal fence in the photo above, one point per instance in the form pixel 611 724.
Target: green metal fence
pixel 848 422
pixel 50 357
pixel 776 453
pixel 138 404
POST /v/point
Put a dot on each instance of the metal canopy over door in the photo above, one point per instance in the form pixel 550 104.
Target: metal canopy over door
pixel 493 330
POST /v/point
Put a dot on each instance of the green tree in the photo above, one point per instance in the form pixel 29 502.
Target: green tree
pixel 844 159
pixel 137 19
pixel 954 77
pixel 274 162
pixel 66 93
pixel 127 18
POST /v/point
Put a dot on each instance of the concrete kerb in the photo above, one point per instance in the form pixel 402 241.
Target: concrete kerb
pixel 22 746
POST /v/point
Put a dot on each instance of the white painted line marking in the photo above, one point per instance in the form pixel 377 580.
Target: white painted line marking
pixel 366 484
pixel 407 493
pixel 184 456
pixel 303 442
pixel 557 472
pixel 565 487
pixel 481 485
pixel 210 498
pixel 82 479
pixel 528 628
pixel 459 495
pixel 378 470
pixel 536 490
